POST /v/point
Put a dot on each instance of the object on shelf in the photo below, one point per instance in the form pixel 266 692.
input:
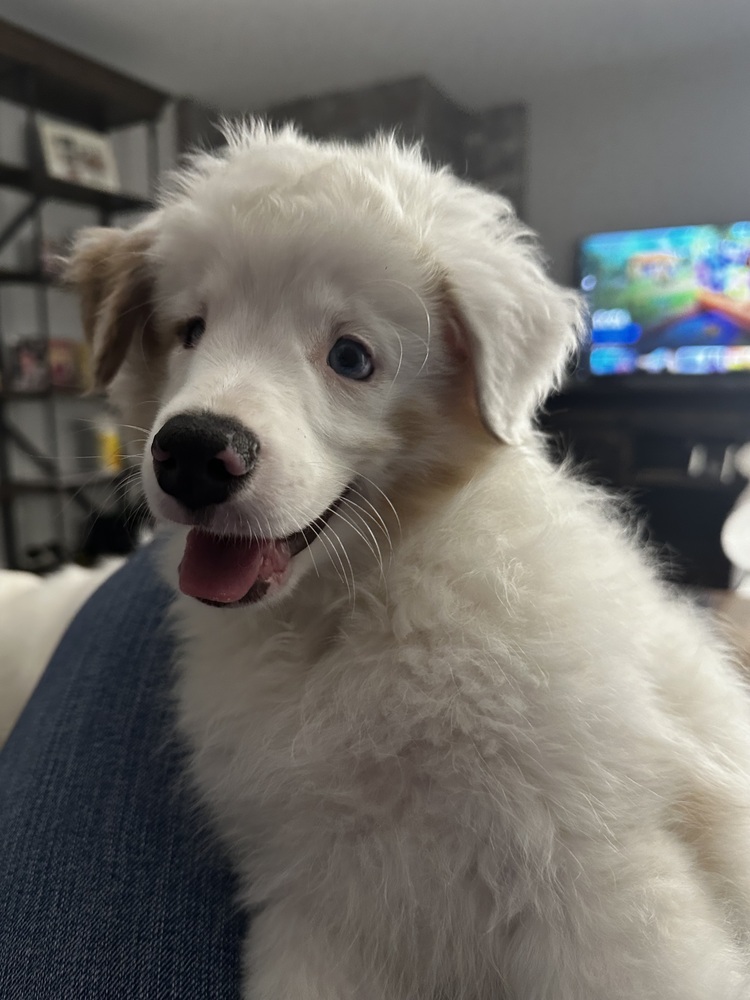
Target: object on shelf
pixel 76 155
pixel 27 365
pixel 66 364
pixel 44 558
pixel 735 534
pixel 99 445
pixel 109 445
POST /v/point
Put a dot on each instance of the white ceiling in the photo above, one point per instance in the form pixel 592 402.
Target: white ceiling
pixel 245 54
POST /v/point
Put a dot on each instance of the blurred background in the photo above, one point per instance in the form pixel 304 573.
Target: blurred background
pixel 620 129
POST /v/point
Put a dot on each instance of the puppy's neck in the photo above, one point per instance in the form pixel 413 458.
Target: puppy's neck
pixel 446 455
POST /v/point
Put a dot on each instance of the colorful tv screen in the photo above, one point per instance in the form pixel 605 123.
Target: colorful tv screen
pixel 668 301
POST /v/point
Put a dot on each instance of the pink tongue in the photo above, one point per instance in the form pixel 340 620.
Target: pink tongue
pixel 220 569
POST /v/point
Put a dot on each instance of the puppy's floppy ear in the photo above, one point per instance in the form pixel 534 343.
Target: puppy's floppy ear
pixel 501 311
pixel 110 270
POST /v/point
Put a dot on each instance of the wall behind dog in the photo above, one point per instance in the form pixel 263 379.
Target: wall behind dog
pixel 643 145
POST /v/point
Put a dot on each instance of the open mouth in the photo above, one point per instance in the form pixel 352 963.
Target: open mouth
pixel 227 571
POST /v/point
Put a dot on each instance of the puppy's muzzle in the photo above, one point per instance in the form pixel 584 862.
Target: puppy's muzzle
pixel 201 459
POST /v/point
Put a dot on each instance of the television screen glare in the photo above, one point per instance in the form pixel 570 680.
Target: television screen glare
pixel 668 301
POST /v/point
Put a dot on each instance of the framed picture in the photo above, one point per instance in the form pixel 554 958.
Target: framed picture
pixel 27 365
pixel 77 155
pixel 65 364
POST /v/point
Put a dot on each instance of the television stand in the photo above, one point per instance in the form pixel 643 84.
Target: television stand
pixel 669 451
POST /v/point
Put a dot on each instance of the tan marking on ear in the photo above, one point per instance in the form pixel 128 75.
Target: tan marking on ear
pixel 109 269
pixel 455 329
pixel 459 434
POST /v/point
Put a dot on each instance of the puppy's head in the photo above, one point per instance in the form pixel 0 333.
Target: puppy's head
pixel 304 330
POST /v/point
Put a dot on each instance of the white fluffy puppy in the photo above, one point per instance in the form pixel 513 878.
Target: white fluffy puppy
pixel 460 742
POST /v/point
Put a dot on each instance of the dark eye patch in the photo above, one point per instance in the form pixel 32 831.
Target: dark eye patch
pixel 191 331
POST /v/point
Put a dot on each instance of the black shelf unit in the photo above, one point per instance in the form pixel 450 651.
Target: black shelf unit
pixel 67 484
pixel 36 184
pixel 640 442
pixel 46 78
pixel 70 85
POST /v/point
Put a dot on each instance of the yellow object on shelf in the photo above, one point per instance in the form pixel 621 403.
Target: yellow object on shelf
pixel 109 447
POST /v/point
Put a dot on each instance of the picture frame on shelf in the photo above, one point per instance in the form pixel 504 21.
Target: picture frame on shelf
pixel 66 367
pixel 27 365
pixel 77 155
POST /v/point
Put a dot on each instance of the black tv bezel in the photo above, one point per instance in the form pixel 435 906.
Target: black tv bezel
pixel 582 379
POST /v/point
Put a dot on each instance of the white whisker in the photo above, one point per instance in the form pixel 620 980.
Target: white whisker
pixel 353 590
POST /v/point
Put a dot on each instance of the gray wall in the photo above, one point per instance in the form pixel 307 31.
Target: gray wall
pixel 648 145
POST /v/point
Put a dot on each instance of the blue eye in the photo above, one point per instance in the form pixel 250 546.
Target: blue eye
pixel 350 359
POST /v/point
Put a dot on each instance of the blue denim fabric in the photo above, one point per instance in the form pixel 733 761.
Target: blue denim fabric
pixel 110 883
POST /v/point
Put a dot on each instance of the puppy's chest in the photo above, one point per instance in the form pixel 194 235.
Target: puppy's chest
pixel 270 694
pixel 295 717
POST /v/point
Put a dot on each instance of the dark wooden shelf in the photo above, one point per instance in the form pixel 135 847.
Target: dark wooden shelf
pixel 11 276
pixel 674 479
pixel 65 484
pixel 15 396
pixel 15 176
pixel 70 85
pixel 24 179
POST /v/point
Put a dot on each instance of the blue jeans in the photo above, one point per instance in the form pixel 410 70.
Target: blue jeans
pixel 110 883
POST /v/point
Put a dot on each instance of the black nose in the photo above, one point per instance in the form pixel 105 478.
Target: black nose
pixel 201 458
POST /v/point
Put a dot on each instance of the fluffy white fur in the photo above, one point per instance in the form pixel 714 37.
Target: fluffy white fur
pixel 470 748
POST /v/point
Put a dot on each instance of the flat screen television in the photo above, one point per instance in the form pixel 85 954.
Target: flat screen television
pixel 667 304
